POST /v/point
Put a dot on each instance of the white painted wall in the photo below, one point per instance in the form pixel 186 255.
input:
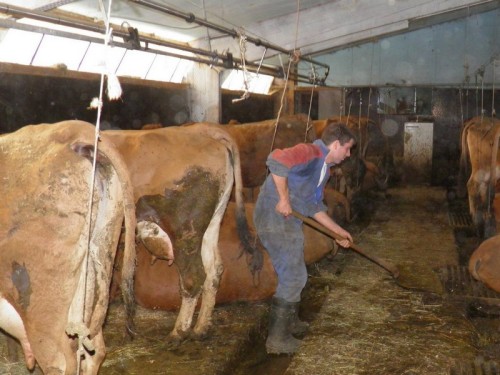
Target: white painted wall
pixel 448 54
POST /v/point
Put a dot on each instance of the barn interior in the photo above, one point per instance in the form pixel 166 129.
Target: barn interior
pixel 418 71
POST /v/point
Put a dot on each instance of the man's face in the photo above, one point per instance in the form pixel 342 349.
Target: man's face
pixel 338 152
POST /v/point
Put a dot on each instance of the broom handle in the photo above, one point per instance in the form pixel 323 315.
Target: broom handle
pixel 391 268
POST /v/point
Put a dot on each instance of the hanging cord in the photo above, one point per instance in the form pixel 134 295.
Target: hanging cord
pixel 208 29
pixel 260 63
pixel 493 112
pixel 309 122
pixel 482 94
pixel 281 103
pixel 349 110
pixel 80 329
pixel 243 48
pixel 290 60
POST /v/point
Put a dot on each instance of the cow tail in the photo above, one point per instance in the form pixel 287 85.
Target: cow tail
pixel 249 240
pixel 463 165
pixel 493 165
pixel 129 253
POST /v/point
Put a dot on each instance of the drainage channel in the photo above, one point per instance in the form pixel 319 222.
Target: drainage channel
pixel 483 304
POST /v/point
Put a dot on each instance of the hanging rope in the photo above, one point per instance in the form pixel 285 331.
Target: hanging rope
pixel 290 60
pixel 493 112
pixel 80 329
pixel 309 124
pixel 243 48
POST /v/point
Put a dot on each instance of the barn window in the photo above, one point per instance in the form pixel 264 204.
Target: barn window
pixel 256 83
pixel 29 47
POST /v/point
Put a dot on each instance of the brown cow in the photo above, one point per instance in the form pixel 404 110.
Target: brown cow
pixel 182 179
pixel 157 286
pixel 480 137
pixel 256 140
pixel 57 253
pixel 484 264
pixel 367 131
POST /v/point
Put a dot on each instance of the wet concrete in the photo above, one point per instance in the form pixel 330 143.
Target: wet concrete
pixel 362 320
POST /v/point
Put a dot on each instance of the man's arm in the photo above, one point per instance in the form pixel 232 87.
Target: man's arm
pixel 283 207
pixel 323 218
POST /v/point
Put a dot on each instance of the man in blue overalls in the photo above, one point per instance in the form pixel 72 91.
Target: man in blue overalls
pixel 296 181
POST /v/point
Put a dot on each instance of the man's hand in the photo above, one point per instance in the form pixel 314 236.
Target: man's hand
pixel 283 207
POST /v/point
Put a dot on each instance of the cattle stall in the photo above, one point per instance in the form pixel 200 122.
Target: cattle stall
pixel 434 319
pixel 192 127
pixel 440 313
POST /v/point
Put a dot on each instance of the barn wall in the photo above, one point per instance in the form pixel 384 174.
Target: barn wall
pixel 33 99
pixel 26 99
pixel 254 108
pixel 448 54
pixel 446 108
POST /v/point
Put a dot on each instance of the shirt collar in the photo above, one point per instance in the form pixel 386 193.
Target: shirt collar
pixel 323 148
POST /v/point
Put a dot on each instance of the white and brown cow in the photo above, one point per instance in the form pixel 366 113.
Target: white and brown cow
pixel 484 264
pixel 480 141
pixel 183 178
pixel 57 252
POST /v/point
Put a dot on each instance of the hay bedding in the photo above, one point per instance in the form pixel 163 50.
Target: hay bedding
pixel 362 321
pixel 370 325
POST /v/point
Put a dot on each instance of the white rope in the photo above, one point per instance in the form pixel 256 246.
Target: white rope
pixel 493 112
pixel 243 48
pixel 309 125
pixel 114 92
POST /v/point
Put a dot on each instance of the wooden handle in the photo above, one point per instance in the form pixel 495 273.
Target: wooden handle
pixel 391 268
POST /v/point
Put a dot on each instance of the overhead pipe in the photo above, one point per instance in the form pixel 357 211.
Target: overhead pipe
pixel 213 58
pixel 26 27
pixel 190 18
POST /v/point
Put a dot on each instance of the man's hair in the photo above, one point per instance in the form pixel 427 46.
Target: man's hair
pixel 337 132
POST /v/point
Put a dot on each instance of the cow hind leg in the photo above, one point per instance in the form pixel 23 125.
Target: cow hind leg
pixel 11 322
pixel 212 264
pixel 212 261
pixel 184 319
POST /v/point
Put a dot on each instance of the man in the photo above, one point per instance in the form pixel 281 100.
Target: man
pixel 296 182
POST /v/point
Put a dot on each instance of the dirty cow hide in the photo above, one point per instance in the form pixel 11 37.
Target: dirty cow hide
pixel 484 264
pixel 182 179
pixel 56 259
pixel 480 137
pixel 157 286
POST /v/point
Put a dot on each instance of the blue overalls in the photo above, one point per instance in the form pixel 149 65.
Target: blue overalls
pixel 283 237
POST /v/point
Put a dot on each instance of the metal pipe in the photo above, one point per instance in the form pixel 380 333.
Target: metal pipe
pixel 213 57
pixel 190 17
pixel 15 25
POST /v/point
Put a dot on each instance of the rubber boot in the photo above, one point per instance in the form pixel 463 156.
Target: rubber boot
pixel 279 337
pixel 298 327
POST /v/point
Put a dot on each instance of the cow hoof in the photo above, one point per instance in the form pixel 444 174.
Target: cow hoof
pixel 201 335
pixel 174 342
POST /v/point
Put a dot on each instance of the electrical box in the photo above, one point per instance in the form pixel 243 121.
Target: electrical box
pixel 418 140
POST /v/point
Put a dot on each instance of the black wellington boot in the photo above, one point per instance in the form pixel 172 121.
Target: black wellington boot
pixel 298 327
pixel 279 337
